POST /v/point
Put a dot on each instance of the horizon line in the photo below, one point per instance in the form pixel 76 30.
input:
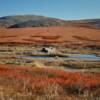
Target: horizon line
pixel 50 17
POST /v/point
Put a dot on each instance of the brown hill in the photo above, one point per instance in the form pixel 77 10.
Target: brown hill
pixel 23 21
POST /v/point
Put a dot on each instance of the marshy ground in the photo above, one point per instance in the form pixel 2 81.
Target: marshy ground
pixel 58 57
pixel 49 72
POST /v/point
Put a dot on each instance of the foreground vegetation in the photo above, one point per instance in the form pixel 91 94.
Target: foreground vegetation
pixel 22 83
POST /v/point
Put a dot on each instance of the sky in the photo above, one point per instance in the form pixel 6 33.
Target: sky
pixel 63 9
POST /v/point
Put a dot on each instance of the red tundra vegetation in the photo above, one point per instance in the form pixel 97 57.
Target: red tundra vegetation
pixel 49 82
pixel 58 35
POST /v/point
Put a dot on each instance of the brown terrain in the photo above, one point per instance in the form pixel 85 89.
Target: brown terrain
pixel 59 35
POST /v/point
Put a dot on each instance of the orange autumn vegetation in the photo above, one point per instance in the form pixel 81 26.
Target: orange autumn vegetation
pixel 46 75
pixel 59 35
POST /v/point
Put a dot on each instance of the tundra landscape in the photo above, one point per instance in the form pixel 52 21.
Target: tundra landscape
pixel 45 58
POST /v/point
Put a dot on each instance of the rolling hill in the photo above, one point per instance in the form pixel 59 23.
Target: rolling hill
pixel 23 21
pixel 29 21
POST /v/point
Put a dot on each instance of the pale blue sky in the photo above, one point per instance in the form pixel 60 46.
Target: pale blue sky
pixel 64 9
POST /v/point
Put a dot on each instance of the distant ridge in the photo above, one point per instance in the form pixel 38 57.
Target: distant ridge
pixel 23 21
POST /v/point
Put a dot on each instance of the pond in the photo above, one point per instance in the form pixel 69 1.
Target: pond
pixel 72 56
pixel 86 57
